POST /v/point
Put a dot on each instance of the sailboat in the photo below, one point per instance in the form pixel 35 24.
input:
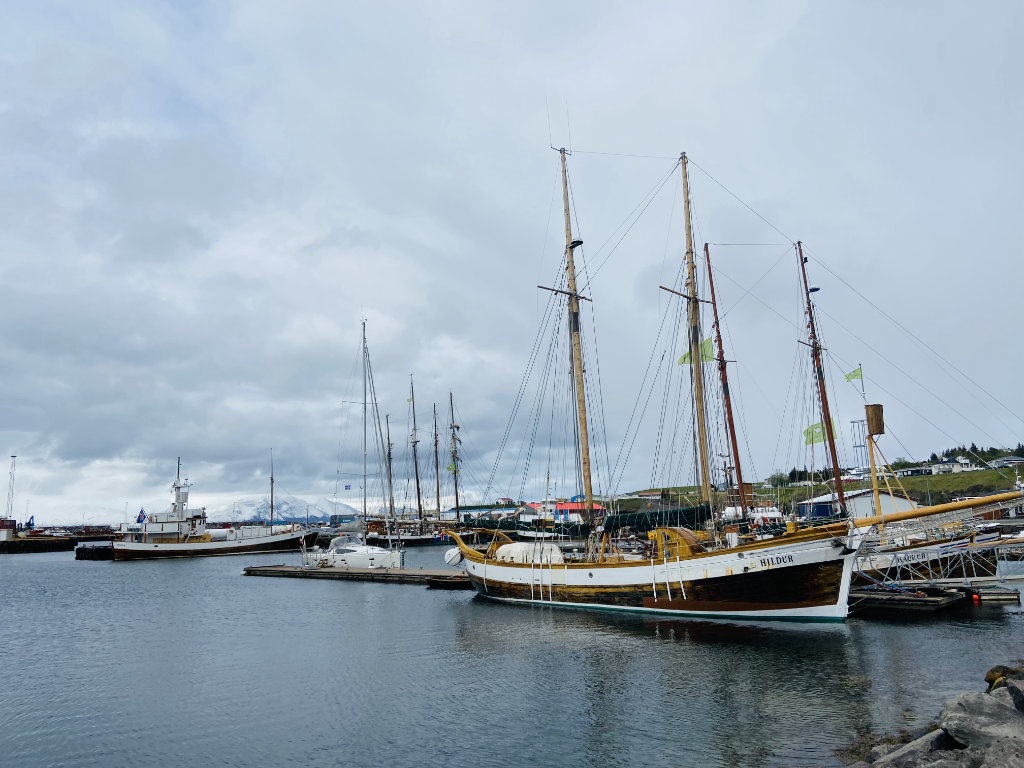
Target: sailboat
pixel 802 574
pixel 348 550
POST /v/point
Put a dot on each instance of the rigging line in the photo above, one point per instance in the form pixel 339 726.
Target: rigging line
pixel 619 460
pixel 738 199
pixel 524 382
pixel 623 154
pixel 914 336
pixel 636 431
pixel 643 206
pixel 922 386
pixel 755 245
pixel 748 291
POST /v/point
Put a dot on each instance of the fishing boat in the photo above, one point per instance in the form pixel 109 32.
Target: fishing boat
pixel 801 574
pixel 182 532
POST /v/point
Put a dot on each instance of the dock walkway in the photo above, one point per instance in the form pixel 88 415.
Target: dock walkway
pixel 390 575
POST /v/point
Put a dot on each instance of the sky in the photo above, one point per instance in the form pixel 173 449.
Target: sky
pixel 202 202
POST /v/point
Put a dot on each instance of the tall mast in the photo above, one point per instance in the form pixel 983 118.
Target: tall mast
pixel 364 427
pixel 726 397
pixel 819 374
pixel 271 491
pixel 697 364
pixel 415 460
pixel 455 455
pixel 437 466
pixel 391 493
pixel 577 350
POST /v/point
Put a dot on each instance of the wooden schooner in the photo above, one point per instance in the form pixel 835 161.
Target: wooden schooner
pixel 802 574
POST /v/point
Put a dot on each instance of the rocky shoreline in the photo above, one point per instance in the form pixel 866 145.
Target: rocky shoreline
pixel 975 730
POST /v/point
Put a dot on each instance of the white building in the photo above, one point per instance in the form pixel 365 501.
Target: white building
pixel 858 503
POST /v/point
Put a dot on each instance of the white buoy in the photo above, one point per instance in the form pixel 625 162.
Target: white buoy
pixel 453 556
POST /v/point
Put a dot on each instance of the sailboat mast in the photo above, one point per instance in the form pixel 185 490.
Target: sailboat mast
pixel 437 466
pixel 819 374
pixel 391 493
pixel 271 491
pixel 577 349
pixel 726 397
pixel 415 460
pixel 364 427
pixel 455 455
pixel 697 364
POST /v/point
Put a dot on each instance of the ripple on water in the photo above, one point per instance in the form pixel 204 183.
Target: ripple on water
pixel 187 662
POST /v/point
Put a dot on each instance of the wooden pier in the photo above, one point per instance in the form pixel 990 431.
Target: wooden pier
pixel 389 575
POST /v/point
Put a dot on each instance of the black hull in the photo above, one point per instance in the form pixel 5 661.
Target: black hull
pixel 794 588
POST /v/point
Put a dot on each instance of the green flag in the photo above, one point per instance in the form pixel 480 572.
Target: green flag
pixel 856 373
pixel 707 354
pixel 451 467
pixel 815 433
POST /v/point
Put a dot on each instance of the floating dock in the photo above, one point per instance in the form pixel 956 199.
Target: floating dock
pixel 874 599
pixel 389 575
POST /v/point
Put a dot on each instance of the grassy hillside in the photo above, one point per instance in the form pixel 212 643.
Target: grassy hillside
pixel 942 488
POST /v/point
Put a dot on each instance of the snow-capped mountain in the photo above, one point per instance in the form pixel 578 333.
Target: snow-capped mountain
pixel 286 509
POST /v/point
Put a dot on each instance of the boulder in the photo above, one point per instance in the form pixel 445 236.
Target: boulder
pixel 1004 753
pixel 918 751
pixel 1002 695
pixel 1016 690
pixel 978 720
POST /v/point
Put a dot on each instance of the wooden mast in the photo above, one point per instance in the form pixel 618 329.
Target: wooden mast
pixel 697 364
pixel 726 397
pixel 577 350
pixel 271 491
pixel 455 455
pixel 415 460
pixel 819 374
pixel 437 466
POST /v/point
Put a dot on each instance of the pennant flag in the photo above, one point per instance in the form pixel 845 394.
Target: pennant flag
pixel 707 354
pixel 142 515
pixel 815 433
pixel 856 373
pixel 451 467
pixel 408 400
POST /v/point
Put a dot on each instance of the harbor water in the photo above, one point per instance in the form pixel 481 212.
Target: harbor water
pixel 186 662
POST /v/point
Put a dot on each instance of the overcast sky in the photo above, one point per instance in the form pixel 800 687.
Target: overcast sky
pixel 202 201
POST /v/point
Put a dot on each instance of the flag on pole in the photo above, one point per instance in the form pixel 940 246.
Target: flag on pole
pixel 142 515
pixel 856 373
pixel 707 354
pixel 815 433
pixel 348 487
pixel 451 467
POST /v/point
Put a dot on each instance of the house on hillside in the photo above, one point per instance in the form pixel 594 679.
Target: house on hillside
pixel 1005 461
pixel 858 503
pixel 953 464
pixel 914 471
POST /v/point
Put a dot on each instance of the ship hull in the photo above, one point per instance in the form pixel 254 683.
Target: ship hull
pixel 280 542
pixel 802 581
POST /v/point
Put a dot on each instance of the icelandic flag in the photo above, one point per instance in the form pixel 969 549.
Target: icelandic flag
pixel 142 515
pixel 348 487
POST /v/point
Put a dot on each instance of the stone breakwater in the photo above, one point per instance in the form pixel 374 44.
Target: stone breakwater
pixel 976 730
